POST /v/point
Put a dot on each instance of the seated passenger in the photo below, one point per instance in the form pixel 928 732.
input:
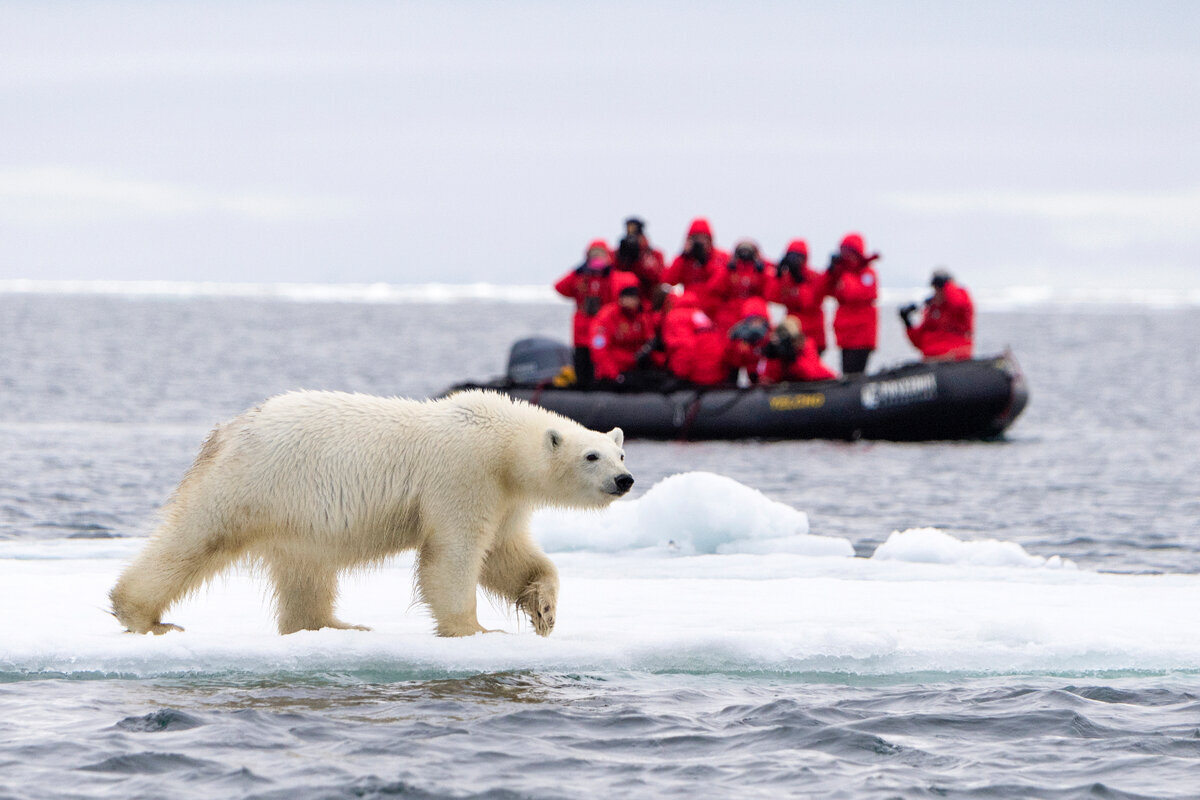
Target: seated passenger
pixel 694 348
pixel 792 356
pixel 947 328
pixel 746 275
pixel 746 339
pixel 590 286
pixel 621 334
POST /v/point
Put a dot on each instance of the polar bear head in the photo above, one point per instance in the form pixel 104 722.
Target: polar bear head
pixel 587 468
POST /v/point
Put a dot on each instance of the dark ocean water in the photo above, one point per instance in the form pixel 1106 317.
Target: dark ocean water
pixel 103 404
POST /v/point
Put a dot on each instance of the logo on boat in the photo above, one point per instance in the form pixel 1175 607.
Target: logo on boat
pixel 794 402
pixel 900 391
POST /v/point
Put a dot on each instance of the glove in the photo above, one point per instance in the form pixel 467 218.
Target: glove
pixel 906 313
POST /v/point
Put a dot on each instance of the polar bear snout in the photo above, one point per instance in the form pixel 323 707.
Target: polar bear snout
pixel 623 483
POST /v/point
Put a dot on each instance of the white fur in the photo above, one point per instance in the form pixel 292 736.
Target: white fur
pixel 312 483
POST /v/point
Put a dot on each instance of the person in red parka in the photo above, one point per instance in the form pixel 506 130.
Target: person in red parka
pixel 695 349
pixel 853 283
pixel 802 290
pixel 636 256
pixel 792 356
pixel 947 329
pixel 746 340
pixel 745 275
pixel 590 286
pixel 692 268
pixel 621 334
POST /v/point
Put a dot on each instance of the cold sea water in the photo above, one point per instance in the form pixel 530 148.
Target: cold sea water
pixel 1031 629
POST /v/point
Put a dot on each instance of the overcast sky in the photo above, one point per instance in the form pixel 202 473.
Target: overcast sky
pixel 1019 143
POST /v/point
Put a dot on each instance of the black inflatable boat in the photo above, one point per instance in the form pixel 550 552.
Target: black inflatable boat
pixel 977 399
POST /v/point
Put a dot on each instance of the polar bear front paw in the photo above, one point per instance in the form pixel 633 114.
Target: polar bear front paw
pixel 539 601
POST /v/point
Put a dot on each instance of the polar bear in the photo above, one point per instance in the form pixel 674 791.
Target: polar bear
pixel 312 483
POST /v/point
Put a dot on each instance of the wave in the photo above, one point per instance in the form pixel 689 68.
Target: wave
pixel 746 589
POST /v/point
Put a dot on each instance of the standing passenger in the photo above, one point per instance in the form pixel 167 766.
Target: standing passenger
pixel 746 275
pixel 693 268
pixel 635 255
pixel 590 286
pixel 854 285
pixel 803 291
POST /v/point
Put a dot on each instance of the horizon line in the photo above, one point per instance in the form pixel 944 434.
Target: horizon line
pixel 435 292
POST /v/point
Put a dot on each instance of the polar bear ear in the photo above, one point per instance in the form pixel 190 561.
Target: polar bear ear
pixel 618 436
pixel 553 439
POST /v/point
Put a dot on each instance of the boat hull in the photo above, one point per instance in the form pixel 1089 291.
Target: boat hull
pixel 977 399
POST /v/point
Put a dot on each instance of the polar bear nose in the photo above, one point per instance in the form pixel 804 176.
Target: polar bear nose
pixel 624 482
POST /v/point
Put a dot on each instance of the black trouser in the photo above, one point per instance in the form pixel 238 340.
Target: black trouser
pixel 854 360
pixel 583 366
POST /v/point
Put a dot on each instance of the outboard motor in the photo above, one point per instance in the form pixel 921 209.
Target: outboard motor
pixel 536 360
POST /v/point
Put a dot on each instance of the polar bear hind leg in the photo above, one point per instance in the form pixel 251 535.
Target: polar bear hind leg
pixel 175 563
pixel 305 593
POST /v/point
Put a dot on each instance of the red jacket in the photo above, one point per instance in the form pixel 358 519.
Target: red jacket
pixel 685 270
pixel 947 326
pixel 728 290
pixel 689 273
pixel 803 298
pixel 854 284
pixel 590 286
pixel 807 366
pixel 647 265
pixel 616 337
pixel 747 355
pixel 694 347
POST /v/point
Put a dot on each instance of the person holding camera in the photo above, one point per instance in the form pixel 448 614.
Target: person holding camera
pixel 802 290
pixel 622 334
pixel 590 286
pixel 853 283
pixel 746 340
pixel 792 356
pixel 745 276
pixel 699 260
pixel 947 328
pixel 636 256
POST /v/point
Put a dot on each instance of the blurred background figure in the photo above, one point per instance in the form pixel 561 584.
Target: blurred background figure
pixel 947 328
pixel 802 290
pixel 792 356
pixel 746 275
pixel 699 260
pixel 590 286
pixel 635 255
pixel 855 286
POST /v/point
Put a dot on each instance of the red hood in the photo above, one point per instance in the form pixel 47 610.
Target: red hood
pixel 598 243
pixel 798 246
pixel 854 242
pixel 755 307
pixel 623 280
pixel 699 225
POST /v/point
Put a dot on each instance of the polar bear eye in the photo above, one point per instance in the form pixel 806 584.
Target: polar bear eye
pixel 622 456
pixel 593 457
